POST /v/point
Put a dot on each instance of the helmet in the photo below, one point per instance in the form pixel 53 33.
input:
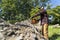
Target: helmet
pixel 42 7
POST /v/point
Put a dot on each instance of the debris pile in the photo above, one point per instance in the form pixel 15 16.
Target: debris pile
pixel 21 31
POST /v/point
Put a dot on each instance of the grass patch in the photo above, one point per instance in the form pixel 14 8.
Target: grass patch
pixel 54 33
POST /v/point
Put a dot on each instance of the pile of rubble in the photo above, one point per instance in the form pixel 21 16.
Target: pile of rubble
pixel 21 31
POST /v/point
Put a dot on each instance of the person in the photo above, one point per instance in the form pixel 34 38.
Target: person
pixel 44 21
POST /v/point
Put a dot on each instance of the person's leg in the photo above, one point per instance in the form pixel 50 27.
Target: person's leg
pixel 45 31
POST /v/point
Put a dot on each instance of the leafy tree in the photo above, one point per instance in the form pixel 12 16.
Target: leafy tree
pixel 34 11
pixel 44 2
pixel 15 9
pixel 55 13
pixel 18 9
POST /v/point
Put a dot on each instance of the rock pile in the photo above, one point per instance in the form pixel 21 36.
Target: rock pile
pixel 21 31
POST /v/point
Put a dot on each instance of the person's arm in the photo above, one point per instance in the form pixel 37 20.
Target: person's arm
pixel 36 15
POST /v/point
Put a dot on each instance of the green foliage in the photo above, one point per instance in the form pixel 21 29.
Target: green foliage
pixel 15 9
pixel 9 9
pixel 44 2
pixel 34 11
pixel 18 9
pixel 12 21
pixel 56 14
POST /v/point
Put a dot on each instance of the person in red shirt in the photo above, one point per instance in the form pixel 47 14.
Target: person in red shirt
pixel 44 21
